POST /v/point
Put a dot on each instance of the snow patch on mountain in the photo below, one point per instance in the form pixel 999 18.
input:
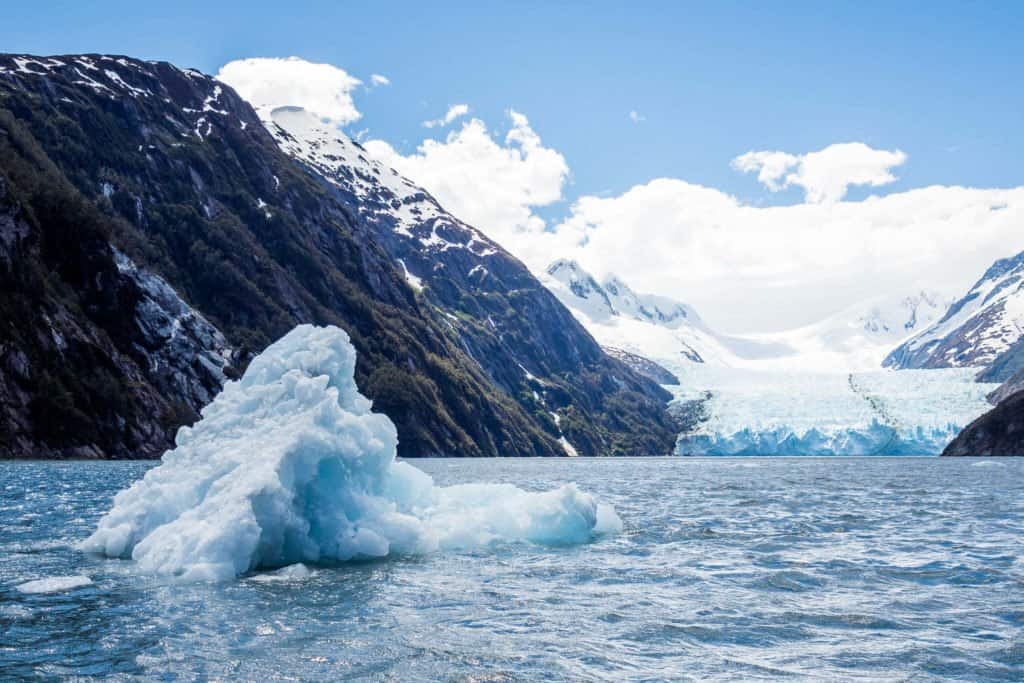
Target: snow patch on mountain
pixel 384 196
pixel 859 337
pixel 187 355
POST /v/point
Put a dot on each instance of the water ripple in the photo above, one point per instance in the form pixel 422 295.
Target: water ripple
pixel 810 569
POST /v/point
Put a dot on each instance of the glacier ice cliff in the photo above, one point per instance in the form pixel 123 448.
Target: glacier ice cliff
pixel 874 438
pixel 740 411
pixel 289 465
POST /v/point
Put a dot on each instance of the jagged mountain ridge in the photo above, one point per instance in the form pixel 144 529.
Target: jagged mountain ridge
pixel 612 297
pixel 977 329
pixel 181 177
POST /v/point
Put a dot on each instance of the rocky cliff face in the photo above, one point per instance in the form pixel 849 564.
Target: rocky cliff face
pixel 998 432
pixel 645 366
pixel 184 239
pixel 1001 430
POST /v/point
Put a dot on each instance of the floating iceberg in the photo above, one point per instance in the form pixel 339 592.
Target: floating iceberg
pixel 54 584
pixel 289 465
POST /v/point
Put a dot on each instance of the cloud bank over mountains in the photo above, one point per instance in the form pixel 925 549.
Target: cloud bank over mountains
pixel 746 267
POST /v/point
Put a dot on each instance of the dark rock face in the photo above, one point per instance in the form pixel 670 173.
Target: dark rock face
pixel 154 237
pixel 1006 366
pixel 998 432
pixel 1011 386
pixel 73 381
pixel 645 366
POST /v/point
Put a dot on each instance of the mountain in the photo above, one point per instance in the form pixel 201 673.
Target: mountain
pixel 526 341
pixel 660 329
pixel 984 329
pixel 860 336
pixel 998 432
pixel 154 236
pixel 977 329
pixel 645 366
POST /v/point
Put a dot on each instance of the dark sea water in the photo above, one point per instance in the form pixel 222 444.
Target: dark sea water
pixel 729 569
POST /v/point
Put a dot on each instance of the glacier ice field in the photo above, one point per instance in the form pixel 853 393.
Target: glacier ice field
pixel 746 411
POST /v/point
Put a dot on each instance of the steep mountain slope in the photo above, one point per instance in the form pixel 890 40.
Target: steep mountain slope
pixel 169 189
pixel 97 357
pixel 998 432
pixel 976 329
pixel 524 339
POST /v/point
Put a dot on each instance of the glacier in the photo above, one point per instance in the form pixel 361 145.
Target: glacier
pixel 289 465
pixel 741 411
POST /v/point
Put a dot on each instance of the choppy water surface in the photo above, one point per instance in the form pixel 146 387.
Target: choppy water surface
pixel 728 568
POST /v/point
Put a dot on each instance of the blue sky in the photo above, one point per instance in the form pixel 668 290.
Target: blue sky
pixel 941 81
pixel 711 81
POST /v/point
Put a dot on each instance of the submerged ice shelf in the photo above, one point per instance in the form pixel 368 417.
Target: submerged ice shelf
pixel 740 411
pixel 290 465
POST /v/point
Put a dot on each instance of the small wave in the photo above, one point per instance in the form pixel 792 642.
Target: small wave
pixel 789 580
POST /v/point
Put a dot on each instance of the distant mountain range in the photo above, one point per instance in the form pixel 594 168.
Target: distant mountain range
pixel 670 332
pixel 658 328
pixel 156 232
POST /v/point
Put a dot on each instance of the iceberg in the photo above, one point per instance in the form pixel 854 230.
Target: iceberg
pixel 289 465
pixel 54 584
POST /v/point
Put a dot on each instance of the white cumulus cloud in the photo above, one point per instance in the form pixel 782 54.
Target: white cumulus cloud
pixel 491 184
pixel 274 82
pixel 745 268
pixel 455 111
pixel 636 117
pixel 825 175
pixel 752 268
pixel 378 79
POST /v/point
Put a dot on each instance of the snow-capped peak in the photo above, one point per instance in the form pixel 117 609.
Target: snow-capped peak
pixel 976 329
pixel 654 327
pixel 384 196
pixel 612 297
